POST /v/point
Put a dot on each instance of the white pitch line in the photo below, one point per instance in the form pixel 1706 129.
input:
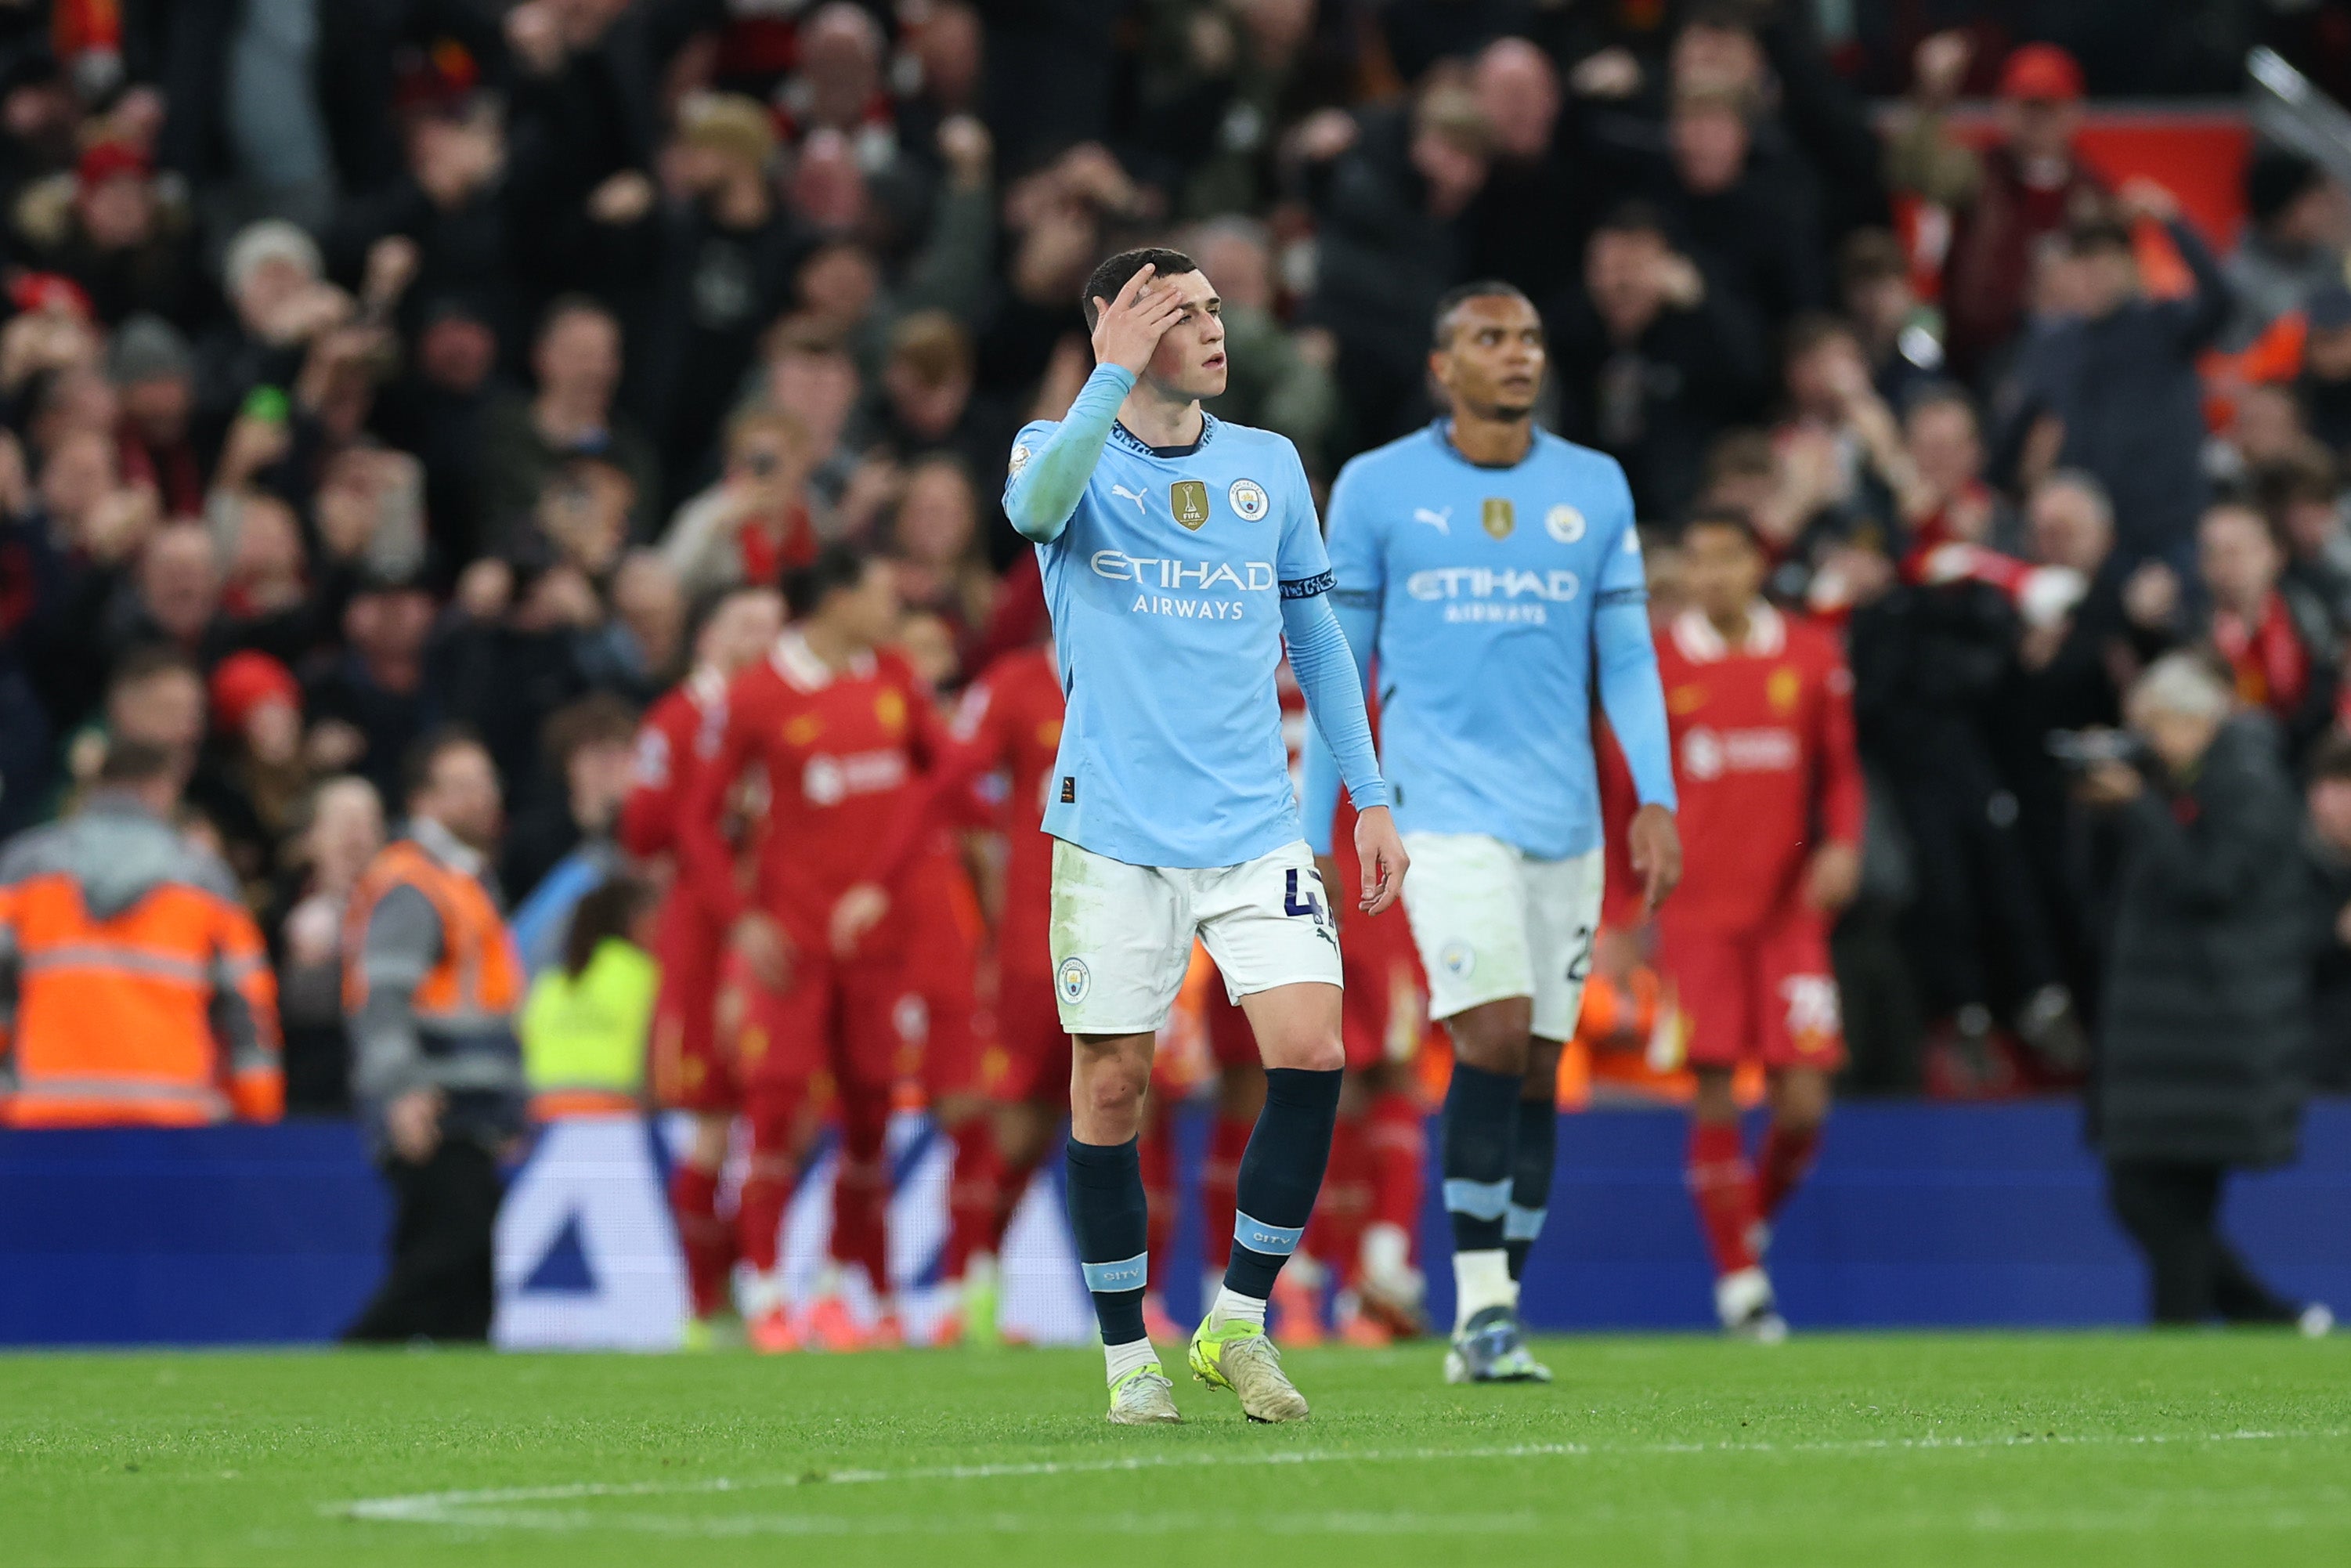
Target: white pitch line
pixel 493 1507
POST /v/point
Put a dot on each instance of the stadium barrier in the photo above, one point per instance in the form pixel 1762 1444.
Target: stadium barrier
pixel 1918 1214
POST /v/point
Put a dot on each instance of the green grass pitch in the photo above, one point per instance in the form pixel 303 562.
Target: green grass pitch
pixel 1882 1450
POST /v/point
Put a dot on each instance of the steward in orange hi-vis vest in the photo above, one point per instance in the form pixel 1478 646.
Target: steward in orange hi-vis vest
pixel 134 988
pixel 431 984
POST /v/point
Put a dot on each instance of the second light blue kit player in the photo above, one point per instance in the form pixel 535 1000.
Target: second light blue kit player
pixel 1180 553
pixel 1493 571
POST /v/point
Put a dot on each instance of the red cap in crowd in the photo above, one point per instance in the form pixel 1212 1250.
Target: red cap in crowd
pixel 104 160
pixel 247 681
pixel 34 291
pixel 2041 72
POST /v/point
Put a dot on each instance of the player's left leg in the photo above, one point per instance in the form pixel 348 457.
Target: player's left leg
pixel 1801 1035
pixel 1535 1155
pixel 871 1038
pixel 1282 1171
pixel 1799 1101
pixel 1562 916
pixel 1389 1284
pixel 700 1010
pixel 1268 924
pixel 1240 1096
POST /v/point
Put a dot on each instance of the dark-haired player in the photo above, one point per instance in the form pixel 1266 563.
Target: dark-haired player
pixel 842 728
pixel 1493 571
pixel 689 1070
pixel 1762 708
pixel 1179 554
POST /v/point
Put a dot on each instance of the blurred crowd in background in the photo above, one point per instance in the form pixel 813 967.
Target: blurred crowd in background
pixel 374 365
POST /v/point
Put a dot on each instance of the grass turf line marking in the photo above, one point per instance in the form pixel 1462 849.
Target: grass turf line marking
pixel 487 1508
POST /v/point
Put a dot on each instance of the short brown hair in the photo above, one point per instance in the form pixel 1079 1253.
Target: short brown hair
pixel 1870 256
pixel 1743 454
pixel 1814 329
pixel 932 347
pixel 598 717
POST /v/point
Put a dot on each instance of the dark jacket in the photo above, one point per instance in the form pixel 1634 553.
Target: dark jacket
pixel 1656 404
pixel 2127 388
pixel 2208 989
pixel 2330 980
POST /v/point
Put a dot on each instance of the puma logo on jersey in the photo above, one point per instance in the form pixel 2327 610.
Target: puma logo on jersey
pixel 1441 521
pixel 1122 493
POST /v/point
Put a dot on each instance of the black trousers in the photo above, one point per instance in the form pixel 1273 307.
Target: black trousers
pixel 2172 1211
pixel 439 1285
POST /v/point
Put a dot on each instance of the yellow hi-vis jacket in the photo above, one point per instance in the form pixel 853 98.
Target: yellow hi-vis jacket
pixel 583 1040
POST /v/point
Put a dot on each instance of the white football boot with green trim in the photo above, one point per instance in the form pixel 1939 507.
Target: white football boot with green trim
pixel 1237 1356
pixel 1144 1397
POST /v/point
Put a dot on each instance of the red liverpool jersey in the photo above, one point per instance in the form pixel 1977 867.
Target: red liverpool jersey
pixel 1011 718
pixel 680 731
pixel 842 752
pixel 1763 759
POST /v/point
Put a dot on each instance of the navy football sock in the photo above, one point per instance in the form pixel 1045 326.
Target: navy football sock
pixel 1282 1172
pixel 1481 1123
pixel 1530 1168
pixel 1110 1220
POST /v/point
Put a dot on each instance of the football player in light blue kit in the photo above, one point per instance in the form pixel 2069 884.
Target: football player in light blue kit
pixel 1494 571
pixel 1179 554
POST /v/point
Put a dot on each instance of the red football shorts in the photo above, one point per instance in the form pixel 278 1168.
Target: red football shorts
pixel 1370 954
pixel 938 1014
pixel 1031 1049
pixel 1766 996
pixel 1231 1041
pixel 1383 971
pixel 691 1060
pixel 845 1020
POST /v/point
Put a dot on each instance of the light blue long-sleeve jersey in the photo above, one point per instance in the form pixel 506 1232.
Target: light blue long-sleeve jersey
pixel 1495 599
pixel 1173 575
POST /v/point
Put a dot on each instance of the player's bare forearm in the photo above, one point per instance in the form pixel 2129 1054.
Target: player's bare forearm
pixel 1656 843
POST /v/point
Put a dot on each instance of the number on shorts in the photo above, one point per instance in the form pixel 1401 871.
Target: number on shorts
pixel 1579 957
pixel 1292 904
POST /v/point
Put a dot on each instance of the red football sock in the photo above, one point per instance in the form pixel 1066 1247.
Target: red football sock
pixel 860 1188
pixel 1220 1180
pixel 708 1241
pixel 1396 1140
pixel 774 1114
pixel 972 1202
pixel 1723 1186
pixel 1158 1152
pixel 1334 1235
pixel 1011 1187
pixel 1783 1163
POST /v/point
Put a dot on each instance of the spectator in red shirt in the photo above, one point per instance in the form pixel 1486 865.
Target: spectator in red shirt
pixel 754 522
pixel 2273 634
pixel 2028 186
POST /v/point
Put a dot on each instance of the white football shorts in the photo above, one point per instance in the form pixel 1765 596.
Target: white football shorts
pixel 1491 920
pixel 1122 934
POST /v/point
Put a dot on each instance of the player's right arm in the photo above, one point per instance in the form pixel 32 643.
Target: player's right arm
pixel 1048 478
pixel 1358 568
pixel 706 863
pixel 647 827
